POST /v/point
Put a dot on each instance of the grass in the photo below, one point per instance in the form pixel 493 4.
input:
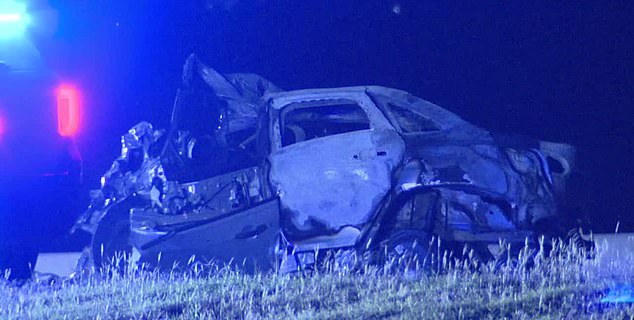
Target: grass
pixel 534 285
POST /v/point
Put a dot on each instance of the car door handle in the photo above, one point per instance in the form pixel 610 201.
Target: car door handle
pixel 251 232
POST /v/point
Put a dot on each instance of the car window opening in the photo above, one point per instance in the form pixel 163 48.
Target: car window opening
pixel 411 121
pixel 312 120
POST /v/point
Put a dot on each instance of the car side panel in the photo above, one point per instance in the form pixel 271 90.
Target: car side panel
pixel 245 238
pixel 335 181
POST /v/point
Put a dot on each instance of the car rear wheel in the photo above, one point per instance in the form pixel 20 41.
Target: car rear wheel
pixel 408 251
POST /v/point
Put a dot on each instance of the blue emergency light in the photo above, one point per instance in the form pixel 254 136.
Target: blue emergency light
pixel 13 19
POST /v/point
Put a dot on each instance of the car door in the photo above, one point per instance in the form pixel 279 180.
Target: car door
pixel 332 158
pixel 245 238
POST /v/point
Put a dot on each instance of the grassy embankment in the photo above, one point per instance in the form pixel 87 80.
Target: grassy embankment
pixel 563 285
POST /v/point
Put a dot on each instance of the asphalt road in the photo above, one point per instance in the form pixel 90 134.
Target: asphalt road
pixel 57 263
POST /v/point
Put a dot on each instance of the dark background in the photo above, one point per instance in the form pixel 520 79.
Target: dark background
pixel 548 70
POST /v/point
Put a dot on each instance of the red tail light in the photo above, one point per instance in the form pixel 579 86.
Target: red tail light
pixel 67 111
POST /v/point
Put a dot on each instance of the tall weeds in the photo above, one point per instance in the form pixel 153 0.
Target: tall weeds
pixel 552 281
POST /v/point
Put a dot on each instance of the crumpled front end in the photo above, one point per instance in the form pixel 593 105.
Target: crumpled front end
pixel 136 172
pixel 196 190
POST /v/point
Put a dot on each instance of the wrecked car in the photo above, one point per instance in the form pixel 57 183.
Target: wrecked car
pixel 266 178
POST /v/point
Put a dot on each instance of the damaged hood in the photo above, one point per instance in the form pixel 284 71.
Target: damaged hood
pixel 236 97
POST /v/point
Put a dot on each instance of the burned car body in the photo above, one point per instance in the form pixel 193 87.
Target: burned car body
pixel 253 174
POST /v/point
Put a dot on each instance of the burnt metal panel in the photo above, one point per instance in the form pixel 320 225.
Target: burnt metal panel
pixel 328 183
pixel 245 238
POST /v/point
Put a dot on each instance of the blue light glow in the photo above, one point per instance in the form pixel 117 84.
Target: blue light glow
pixel 10 17
pixel 13 19
pixel 622 293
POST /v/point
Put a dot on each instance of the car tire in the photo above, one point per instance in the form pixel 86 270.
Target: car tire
pixel 408 250
pixel 111 240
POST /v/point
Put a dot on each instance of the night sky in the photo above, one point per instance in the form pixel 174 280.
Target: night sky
pixel 553 71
